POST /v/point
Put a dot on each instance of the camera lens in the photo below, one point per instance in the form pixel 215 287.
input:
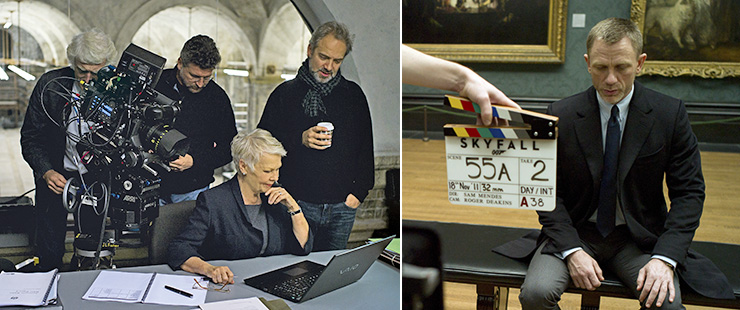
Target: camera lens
pixel 166 142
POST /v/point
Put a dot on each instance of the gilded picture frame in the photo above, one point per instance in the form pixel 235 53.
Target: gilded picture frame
pixel 689 37
pixel 502 32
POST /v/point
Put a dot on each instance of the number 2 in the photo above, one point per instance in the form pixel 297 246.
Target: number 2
pixel 534 176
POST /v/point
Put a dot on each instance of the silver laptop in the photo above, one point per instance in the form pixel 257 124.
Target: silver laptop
pixel 305 280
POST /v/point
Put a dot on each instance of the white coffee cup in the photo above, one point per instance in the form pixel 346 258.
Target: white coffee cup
pixel 329 130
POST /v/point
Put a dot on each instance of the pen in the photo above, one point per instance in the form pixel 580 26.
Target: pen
pixel 179 291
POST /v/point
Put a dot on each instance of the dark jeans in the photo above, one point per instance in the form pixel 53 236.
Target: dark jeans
pixel 51 227
pixel 51 224
pixel 175 198
pixel 331 224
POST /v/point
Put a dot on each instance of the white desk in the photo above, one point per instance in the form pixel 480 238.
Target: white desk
pixel 379 288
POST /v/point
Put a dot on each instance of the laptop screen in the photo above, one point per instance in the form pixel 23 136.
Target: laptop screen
pixel 347 267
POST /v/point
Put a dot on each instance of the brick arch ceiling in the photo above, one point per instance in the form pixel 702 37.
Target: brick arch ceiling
pixel 284 40
pixel 48 26
pixel 166 31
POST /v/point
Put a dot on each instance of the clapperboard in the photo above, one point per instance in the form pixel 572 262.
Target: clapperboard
pixel 511 166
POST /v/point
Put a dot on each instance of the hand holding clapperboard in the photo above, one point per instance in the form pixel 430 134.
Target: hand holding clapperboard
pixel 509 166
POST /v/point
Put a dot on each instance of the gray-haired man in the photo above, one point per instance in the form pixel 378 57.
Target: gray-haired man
pixel 44 142
pixel 329 174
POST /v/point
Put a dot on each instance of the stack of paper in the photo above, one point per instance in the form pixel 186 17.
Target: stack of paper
pixel 147 288
pixel 28 289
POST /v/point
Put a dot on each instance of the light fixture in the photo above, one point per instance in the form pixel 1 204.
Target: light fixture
pixel 237 64
pixel 34 62
pixel 235 72
pixel 288 73
pixel 10 20
pixel 3 76
pixel 25 75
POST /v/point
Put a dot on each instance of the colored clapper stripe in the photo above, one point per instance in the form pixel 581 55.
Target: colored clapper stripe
pixel 485 132
pixel 493 133
pixel 465 105
pixel 522 124
pixel 472 132
pixel 461 132
pixel 500 133
pixel 501 113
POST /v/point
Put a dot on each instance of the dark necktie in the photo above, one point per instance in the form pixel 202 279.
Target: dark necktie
pixel 608 191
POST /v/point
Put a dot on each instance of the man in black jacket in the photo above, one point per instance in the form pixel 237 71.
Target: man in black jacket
pixel 329 174
pixel 44 140
pixel 618 142
pixel 206 118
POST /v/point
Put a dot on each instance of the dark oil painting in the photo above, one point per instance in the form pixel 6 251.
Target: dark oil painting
pixel 511 22
pixel 692 30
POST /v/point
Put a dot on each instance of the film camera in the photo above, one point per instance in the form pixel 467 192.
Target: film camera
pixel 124 141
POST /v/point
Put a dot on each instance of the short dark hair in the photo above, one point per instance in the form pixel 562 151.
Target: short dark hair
pixel 612 30
pixel 200 50
pixel 338 30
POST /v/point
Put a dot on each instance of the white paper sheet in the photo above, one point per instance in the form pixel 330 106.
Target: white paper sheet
pixel 159 295
pixel 131 287
pixel 52 299
pixel 235 304
pixel 118 286
pixel 26 289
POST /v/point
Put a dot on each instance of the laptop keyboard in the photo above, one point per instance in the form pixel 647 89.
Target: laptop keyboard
pixel 295 288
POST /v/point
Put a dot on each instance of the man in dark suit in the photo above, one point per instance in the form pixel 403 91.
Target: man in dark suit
pixel 616 142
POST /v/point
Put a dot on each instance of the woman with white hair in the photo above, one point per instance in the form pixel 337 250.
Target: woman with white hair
pixel 247 216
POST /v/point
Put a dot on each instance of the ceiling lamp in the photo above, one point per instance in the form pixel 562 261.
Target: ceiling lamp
pixel 25 75
pixel 235 72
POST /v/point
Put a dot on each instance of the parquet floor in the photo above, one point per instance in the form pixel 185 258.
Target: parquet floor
pixel 424 197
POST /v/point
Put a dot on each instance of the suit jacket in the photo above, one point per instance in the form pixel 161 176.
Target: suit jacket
pixel 657 141
pixel 219 228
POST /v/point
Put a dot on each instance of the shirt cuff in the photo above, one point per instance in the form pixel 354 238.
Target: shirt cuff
pixel 565 253
pixel 667 260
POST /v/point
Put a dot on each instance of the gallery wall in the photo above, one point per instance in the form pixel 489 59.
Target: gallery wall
pixel 561 80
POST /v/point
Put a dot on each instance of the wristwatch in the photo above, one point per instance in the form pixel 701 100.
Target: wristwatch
pixel 669 265
pixel 294 212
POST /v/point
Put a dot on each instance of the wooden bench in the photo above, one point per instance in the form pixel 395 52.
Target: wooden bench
pixel 467 258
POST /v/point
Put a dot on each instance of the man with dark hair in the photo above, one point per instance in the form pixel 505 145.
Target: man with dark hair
pixel 48 138
pixel 329 173
pixel 206 118
pixel 618 141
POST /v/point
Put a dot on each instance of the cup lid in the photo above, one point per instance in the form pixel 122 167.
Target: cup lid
pixel 327 125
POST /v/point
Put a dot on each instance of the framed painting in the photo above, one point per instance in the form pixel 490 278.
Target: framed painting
pixel 512 31
pixel 689 37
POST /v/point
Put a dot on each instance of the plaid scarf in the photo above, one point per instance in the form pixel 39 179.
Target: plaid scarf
pixel 313 102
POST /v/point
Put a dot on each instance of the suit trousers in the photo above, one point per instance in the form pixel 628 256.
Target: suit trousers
pixel 548 276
